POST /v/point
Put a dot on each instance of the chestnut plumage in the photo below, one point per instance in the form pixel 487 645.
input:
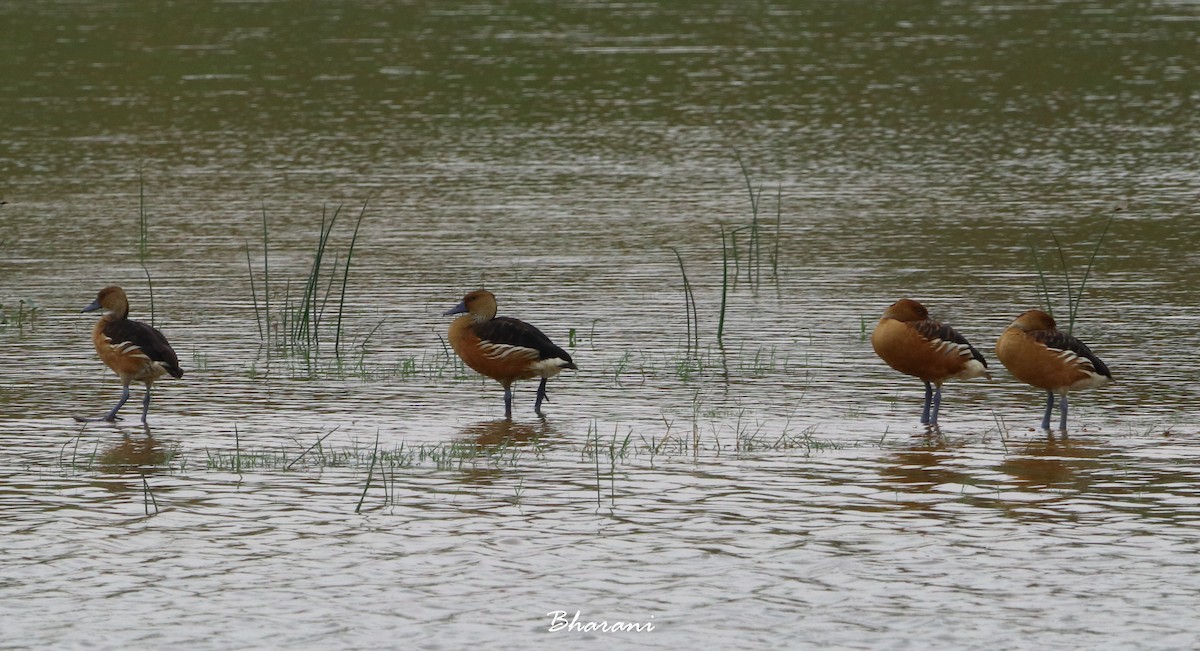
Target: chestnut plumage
pixel 503 348
pixel 912 343
pixel 1038 354
pixel 136 352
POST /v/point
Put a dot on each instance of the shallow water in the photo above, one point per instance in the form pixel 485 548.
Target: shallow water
pixel 776 491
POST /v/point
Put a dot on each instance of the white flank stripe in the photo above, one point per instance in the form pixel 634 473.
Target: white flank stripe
pixel 128 348
pixel 1071 357
pixel 962 350
pixel 501 351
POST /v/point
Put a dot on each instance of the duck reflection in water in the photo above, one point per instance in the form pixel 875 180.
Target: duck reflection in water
pixel 494 441
pixel 498 433
pixel 1050 463
pixel 919 469
pixel 144 454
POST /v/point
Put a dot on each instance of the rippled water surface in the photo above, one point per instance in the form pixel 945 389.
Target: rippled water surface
pixel 771 489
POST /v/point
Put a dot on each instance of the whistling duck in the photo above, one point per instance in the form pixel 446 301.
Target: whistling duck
pixel 1036 353
pixel 132 349
pixel 504 349
pixel 910 342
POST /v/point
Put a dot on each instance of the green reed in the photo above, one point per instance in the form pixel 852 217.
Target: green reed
pixel 316 446
pixel 731 249
pixel 370 473
pixel 28 313
pixel 148 498
pixel 754 247
pixel 144 239
pixel 594 436
pixel 258 314
pixel 143 220
pixel 237 451
pixel 689 307
pixel 295 327
pixel 778 232
pixel 307 317
pixel 1074 294
pixel 337 340
pixel 724 289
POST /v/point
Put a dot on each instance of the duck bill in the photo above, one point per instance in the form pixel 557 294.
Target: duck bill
pixel 461 308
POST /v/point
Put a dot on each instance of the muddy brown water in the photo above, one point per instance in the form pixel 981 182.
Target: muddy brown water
pixel 774 492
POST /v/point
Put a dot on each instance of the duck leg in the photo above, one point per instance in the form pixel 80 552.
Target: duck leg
pixel 508 402
pixel 541 395
pixel 1062 410
pixel 112 415
pixel 928 399
pixel 1049 408
pixel 146 404
pixel 937 405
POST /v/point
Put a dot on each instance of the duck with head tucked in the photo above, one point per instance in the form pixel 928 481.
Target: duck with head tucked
pixel 912 343
pixel 1038 354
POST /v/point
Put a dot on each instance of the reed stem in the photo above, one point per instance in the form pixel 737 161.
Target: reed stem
pixel 337 337
pixel 266 282
pixel 724 288
pixel 693 318
pixel 370 473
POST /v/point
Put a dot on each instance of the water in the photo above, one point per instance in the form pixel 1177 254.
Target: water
pixel 777 492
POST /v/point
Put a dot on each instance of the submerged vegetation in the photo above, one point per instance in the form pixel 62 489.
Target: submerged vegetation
pixel 703 429
pixel 492 447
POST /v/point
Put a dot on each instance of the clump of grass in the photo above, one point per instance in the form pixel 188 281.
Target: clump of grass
pixel 731 251
pixel 754 246
pixel 1074 294
pixel 597 449
pixel 27 314
pixel 615 452
pixel 707 363
pixel 428 365
pixel 449 455
pixel 294 328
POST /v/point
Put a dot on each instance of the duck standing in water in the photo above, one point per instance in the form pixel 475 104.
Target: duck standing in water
pixel 912 343
pixel 1038 354
pixel 136 352
pixel 504 349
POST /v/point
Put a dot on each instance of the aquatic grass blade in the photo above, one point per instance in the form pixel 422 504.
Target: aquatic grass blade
pixel 337 337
